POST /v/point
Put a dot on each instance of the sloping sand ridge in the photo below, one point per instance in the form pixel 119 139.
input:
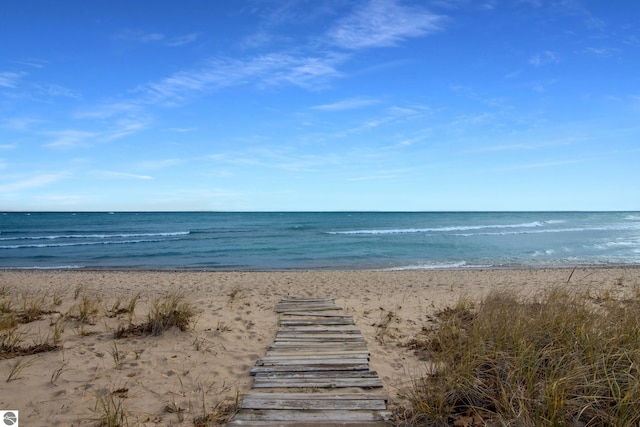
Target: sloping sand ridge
pixel 181 376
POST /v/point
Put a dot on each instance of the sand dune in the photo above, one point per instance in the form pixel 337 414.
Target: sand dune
pixel 177 377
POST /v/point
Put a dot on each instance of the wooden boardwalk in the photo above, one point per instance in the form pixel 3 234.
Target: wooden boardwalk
pixel 317 350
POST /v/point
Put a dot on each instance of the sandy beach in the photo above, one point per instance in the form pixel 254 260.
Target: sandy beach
pixel 174 378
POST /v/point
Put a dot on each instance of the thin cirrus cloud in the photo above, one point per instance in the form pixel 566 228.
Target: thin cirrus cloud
pixel 347 104
pixel 268 70
pixel 10 79
pixel 138 36
pixel 73 138
pixel 376 24
pixel 122 175
pixel 545 58
pixel 69 138
pixel 382 23
pixel 31 182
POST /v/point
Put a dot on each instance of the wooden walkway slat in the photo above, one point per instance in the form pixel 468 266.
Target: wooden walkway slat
pixel 282 352
pixel 327 379
pixel 316 348
pixel 307 417
pixel 343 330
pixel 313 401
pixel 316 375
pixel 312 357
pixel 316 314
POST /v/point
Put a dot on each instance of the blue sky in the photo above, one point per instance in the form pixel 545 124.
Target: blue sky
pixel 319 105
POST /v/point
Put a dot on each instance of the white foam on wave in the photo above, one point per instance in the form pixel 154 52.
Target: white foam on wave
pixel 556 230
pixel 98 236
pixel 50 267
pixel 618 244
pixel 62 245
pixel 439 229
pixel 545 252
pixel 435 266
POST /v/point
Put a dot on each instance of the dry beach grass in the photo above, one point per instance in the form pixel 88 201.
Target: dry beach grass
pixel 175 348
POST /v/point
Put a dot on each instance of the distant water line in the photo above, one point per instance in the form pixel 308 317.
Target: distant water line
pixel 317 240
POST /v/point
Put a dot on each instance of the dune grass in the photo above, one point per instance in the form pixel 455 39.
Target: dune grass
pixel 172 310
pixel 560 358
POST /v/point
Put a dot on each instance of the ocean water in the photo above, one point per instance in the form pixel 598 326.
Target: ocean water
pixel 322 240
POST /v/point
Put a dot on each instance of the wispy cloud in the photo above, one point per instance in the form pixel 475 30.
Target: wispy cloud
pixel 274 14
pixel 55 91
pixel 525 146
pixel 277 158
pixel 144 37
pixel 20 123
pixel 158 164
pixel 69 138
pixel 139 36
pixel 381 175
pixel 347 104
pixel 602 52
pixel 182 40
pixel 107 110
pixel 183 130
pixel 545 58
pixel 380 23
pixel 549 164
pixel 31 182
pixel 10 79
pixel 121 175
pixel 32 62
pixel 124 127
pixel 264 70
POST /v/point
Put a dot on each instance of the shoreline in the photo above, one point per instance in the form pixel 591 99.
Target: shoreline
pixel 234 325
pixel 327 269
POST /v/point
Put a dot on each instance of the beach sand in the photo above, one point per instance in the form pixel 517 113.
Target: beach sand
pixel 177 377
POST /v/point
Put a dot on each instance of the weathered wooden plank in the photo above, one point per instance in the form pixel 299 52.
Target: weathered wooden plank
pixel 310 322
pixel 295 351
pixel 313 375
pixel 308 368
pixel 317 396
pixel 312 305
pixel 256 423
pixel 305 417
pixel 338 356
pixel 312 358
pixel 310 363
pixel 313 404
pixel 318 335
pixel 310 313
pixel 334 382
pixel 308 345
pixel 284 309
pixel 336 341
pixel 259 402
pixel 316 346
pixel 307 302
pixel 321 328
pixel 319 338
pixel 325 379
pixel 280 352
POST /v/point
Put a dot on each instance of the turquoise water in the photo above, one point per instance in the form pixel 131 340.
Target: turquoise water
pixel 336 240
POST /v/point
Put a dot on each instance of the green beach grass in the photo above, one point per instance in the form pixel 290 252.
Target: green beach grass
pixel 560 358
